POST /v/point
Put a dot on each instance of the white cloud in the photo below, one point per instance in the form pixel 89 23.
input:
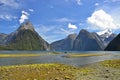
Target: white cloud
pixel 25 13
pixel 64 19
pixel 71 26
pixel 79 2
pixel 100 20
pixel 11 3
pixel 7 17
pixel 24 17
pixel 31 10
pixel 96 4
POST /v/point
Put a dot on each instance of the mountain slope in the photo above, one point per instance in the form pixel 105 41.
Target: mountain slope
pixel 87 41
pixel 64 44
pixel 114 45
pixel 26 38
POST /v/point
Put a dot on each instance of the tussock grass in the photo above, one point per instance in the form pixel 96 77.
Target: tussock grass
pixel 111 63
pixel 38 72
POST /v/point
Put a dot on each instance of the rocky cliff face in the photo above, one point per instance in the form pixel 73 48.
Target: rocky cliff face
pixel 87 41
pixel 64 44
pixel 114 45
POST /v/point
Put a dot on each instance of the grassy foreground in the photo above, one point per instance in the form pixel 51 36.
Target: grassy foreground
pixel 38 72
pixel 105 70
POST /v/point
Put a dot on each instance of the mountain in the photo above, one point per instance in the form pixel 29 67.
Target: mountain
pixel 64 44
pixel 26 38
pixel 2 38
pixel 106 36
pixel 87 41
pixel 114 45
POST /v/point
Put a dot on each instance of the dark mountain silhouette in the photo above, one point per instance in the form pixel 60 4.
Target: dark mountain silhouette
pixel 114 45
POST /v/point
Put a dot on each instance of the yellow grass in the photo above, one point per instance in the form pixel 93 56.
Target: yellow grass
pixel 111 63
pixel 84 55
pixel 19 55
pixel 38 72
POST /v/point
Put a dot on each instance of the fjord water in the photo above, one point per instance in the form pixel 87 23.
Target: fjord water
pixel 57 58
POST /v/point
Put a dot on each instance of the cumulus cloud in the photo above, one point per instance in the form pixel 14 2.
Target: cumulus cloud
pixel 100 20
pixel 64 19
pixel 24 16
pixel 71 26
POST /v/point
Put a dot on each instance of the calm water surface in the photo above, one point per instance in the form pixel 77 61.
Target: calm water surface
pixel 57 58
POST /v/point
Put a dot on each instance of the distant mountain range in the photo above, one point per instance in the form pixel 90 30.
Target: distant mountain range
pixel 85 41
pixel 26 38
pixel 64 44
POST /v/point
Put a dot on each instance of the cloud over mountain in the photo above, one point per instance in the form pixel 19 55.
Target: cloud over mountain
pixel 24 16
pixel 100 20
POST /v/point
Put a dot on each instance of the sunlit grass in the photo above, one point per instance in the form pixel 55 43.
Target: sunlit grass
pixel 111 63
pixel 19 55
pixel 38 72
pixel 84 55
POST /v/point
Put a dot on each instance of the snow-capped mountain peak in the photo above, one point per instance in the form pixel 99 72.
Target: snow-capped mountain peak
pixel 105 33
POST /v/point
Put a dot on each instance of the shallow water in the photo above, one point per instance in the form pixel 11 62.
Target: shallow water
pixel 57 58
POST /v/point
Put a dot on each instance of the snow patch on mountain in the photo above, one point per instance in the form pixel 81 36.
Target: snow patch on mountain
pixel 105 33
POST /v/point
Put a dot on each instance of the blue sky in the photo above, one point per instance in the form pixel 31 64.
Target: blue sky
pixel 55 19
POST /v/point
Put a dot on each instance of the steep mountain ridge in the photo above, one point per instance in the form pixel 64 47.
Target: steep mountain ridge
pixel 26 38
pixel 87 41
